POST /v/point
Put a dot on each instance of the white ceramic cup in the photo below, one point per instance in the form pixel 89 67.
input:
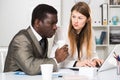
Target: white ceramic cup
pixel 61 43
pixel 46 70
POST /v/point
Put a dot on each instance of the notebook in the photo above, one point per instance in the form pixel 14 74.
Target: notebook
pixel 110 61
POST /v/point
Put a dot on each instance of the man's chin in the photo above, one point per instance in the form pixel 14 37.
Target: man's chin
pixel 50 36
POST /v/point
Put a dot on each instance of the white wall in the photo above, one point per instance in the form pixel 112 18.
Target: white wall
pixel 16 15
pixel 66 7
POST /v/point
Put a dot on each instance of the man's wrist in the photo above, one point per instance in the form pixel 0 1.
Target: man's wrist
pixel 55 61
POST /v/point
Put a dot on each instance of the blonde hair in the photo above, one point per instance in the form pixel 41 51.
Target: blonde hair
pixel 86 32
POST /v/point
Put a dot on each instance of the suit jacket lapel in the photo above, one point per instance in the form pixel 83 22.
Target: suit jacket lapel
pixel 35 41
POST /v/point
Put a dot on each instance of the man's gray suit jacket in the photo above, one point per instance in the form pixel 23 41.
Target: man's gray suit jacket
pixel 26 54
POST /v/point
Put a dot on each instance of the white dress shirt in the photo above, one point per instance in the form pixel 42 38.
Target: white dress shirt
pixel 39 38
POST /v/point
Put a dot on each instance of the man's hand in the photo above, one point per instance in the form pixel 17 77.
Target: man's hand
pixel 61 53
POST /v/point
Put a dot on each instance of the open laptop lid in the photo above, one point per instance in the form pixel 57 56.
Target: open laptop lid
pixel 110 61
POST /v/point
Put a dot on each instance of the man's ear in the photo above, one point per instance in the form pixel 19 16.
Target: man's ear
pixel 37 22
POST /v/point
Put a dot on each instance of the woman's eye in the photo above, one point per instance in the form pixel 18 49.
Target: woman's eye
pixel 79 18
pixel 73 16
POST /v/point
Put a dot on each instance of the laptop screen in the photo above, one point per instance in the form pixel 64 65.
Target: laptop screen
pixel 110 61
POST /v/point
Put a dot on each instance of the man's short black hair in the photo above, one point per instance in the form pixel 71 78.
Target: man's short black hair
pixel 40 12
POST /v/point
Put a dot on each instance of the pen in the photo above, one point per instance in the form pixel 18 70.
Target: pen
pixel 57 75
pixel 117 57
pixel 60 76
pixel 115 54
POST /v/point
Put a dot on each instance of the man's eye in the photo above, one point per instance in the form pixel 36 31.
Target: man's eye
pixel 50 23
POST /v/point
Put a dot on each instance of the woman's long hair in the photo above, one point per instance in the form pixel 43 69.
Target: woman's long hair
pixel 86 32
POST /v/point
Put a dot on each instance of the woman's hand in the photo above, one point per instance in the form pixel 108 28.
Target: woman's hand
pixel 97 62
pixel 85 63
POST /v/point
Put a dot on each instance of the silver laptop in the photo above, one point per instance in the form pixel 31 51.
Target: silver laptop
pixel 110 61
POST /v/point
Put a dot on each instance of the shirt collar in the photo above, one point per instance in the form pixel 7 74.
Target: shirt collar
pixel 36 34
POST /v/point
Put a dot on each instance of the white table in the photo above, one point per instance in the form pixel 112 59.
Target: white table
pixel 67 75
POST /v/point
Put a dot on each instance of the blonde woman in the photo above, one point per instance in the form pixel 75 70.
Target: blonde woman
pixel 82 51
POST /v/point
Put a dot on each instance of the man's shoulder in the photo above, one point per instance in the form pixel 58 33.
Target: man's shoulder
pixel 22 34
pixel 23 31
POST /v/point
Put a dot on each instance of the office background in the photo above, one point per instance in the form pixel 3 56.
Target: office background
pixel 16 15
